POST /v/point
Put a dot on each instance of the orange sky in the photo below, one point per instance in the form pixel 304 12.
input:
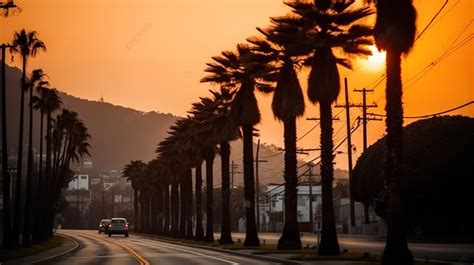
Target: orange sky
pixel 150 55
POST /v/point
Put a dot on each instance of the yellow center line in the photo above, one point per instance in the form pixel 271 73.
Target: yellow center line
pixel 140 259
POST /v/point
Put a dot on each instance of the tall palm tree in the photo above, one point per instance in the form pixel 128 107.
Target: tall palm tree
pixel 70 144
pixel 394 32
pixel 37 78
pixel 240 71
pixel 213 115
pixel 133 172
pixel 287 105
pixel 52 103
pixel 6 177
pixel 328 25
pixel 27 45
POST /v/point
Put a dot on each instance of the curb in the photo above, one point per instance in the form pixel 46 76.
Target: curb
pixel 228 251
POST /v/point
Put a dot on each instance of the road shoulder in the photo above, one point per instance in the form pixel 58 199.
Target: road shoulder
pixel 69 245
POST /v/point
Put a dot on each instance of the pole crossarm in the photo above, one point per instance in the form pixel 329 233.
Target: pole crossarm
pixel 336 118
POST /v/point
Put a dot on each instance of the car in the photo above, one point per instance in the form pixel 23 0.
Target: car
pixel 104 225
pixel 118 226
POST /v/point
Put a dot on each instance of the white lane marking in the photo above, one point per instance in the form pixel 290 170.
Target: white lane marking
pixel 166 245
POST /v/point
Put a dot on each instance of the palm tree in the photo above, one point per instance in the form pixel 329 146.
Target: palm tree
pixel 70 144
pixel 27 45
pixel 328 25
pixel 37 78
pixel 240 71
pixel 52 103
pixel 394 32
pixel 6 177
pixel 287 105
pixel 133 172
pixel 181 152
pixel 213 115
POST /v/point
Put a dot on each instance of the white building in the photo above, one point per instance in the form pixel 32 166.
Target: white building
pixel 79 182
pixel 272 207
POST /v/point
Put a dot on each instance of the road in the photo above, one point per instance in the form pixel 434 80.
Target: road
pixel 118 250
pixel 442 252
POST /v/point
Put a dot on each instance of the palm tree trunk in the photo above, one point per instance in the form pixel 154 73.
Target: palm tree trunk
pixel 47 183
pixel 135 209
pixel 7 233
pixel 183 206
pixel 152 213
pixel 29 175
pixel 251 235
pixel 174 208
pixel 396 248
pixel 17 211
pixel 329 243
pixel 142 212
pixel 160 209
pixel 290 238
pixel 39 208
pixel 226 234
pixel 209 198
pixel 166 225
pixel 199 236
pixel 189 202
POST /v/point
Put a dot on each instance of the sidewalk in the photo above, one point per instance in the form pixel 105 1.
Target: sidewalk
pixel 304 256
pixel 68 246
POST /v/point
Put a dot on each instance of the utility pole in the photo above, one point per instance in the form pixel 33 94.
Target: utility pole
pixel 103 203
pixel 78 210
pixel 113 202
pixel 257 182
pixel 364 92
pixel 310 178
pixel 347 106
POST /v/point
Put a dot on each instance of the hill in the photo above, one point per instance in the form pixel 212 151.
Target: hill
pixel 120 134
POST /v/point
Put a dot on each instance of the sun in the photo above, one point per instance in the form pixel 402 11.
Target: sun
pixel 377 60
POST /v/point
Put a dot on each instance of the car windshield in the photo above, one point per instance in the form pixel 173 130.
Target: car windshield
pixel 118 221
pixel 105 221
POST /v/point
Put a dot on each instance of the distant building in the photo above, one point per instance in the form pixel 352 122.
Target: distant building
pixel 272 207
pixel 79 182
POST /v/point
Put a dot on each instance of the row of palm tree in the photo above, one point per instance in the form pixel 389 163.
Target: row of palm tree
pixel 319 35
pixel 66 139
pixel 306 37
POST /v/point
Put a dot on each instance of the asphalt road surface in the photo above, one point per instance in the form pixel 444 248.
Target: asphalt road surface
pixel 118 250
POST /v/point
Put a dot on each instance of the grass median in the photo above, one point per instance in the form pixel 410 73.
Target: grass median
pixel 54 242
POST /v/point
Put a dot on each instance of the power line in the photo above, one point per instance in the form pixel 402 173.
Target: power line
pixel 379 80
pixel 433 114
pixel 431 21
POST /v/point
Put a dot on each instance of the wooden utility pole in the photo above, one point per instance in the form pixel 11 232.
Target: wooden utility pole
pixel 310 178
pixel 347 106
pixel 257 184
pixel 364 133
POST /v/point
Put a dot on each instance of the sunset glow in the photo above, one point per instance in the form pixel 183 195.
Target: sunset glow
pixel 376 61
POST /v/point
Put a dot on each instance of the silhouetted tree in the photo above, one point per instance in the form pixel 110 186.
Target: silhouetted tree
pixel 27 45
pixel 213 115
pixel 328 25
pixel 287 105
pixel 133 172
pixel 394 32
pixel 240 71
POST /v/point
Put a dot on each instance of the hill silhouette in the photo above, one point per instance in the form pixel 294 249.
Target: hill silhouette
pixel 120 134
